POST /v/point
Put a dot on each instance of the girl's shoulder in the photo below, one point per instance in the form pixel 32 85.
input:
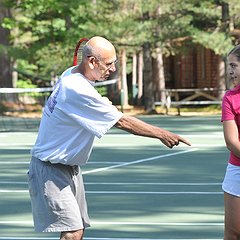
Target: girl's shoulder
pixel 233 91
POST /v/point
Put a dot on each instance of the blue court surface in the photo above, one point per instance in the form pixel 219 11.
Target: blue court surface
pixel 137 189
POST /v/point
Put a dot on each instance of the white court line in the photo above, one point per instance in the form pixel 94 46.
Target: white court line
pixel 127 164
pixel 160 223
pixel 198 134
pixel 139 161
pixel 118 164
pixel 100 162
pixel 34 238
pixel 15 183
pixel 93 238
pixel 131 183
pixel 12 162
pixel 17 222
pixel 98 143
pixel 13 191
pixel 30 223
pixel 153 183
pixel 16 144
pixel 91 162
pixel 90 238
pixel 154 193
pixel 127 145
pixel 119 145
pixel 129 192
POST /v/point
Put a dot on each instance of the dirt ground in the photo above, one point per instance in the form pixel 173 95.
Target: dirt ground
pixel 35 111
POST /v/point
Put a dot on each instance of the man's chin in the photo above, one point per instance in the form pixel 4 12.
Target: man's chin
pixel 103 78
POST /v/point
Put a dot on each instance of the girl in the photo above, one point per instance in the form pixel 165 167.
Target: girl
pixel 231 129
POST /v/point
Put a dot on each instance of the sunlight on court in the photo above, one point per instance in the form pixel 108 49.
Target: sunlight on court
pixel 136 188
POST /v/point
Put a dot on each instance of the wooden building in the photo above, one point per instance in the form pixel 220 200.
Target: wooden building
pixel 197 68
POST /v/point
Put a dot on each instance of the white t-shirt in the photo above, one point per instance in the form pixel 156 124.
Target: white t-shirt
pixel 74 114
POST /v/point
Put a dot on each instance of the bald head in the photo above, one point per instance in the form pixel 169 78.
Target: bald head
pixel 99 59
pixel 99 47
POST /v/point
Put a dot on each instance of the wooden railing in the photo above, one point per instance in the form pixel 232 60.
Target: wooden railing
pixel 208 96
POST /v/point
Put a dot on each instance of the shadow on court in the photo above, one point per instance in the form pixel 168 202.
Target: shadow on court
pixel 136 187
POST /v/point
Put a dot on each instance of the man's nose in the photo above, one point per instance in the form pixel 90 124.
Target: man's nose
pixel 113 68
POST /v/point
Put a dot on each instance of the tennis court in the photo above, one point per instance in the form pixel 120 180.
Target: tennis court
pixel 137 189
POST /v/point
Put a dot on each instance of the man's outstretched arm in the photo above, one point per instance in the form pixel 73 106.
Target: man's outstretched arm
pixel 141 128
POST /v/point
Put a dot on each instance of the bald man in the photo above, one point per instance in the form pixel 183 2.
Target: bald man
pixel 74 115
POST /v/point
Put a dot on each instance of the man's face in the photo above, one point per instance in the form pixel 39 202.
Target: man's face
pixel 105 67
pixel 233 70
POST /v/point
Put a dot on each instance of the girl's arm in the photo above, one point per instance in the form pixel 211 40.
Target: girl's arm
pixel 230 131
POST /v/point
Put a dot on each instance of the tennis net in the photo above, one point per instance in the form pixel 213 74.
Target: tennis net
pixel 21 108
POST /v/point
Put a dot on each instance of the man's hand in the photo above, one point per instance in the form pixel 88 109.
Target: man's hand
pixel 138 127
pixel 170 139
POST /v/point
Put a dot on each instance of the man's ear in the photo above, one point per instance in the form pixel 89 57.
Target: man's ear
pixel 91 62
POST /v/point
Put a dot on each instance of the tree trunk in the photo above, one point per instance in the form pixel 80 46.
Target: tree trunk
pixel 159 79
pixel 148 79
pixel 134 79
pixel 124 88
pixel 5 62
pixel 225 17
pixel 222 81
pixel 140 78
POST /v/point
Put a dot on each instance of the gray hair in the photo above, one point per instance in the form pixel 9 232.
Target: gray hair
pixel 89 51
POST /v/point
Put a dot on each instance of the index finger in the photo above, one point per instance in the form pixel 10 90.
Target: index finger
pixel 184 141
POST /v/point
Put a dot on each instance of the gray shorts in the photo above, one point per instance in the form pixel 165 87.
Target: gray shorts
pixel 57 197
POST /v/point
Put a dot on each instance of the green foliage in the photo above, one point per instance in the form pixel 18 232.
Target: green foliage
pixel 28 84
pixel 197 21
pixel 102 90
pixel 25 84
pixel 8 23
pixel 215 40
pixel 45 32
pixel 29 73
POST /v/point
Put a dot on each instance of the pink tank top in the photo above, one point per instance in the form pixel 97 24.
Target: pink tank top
pixel 231 111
